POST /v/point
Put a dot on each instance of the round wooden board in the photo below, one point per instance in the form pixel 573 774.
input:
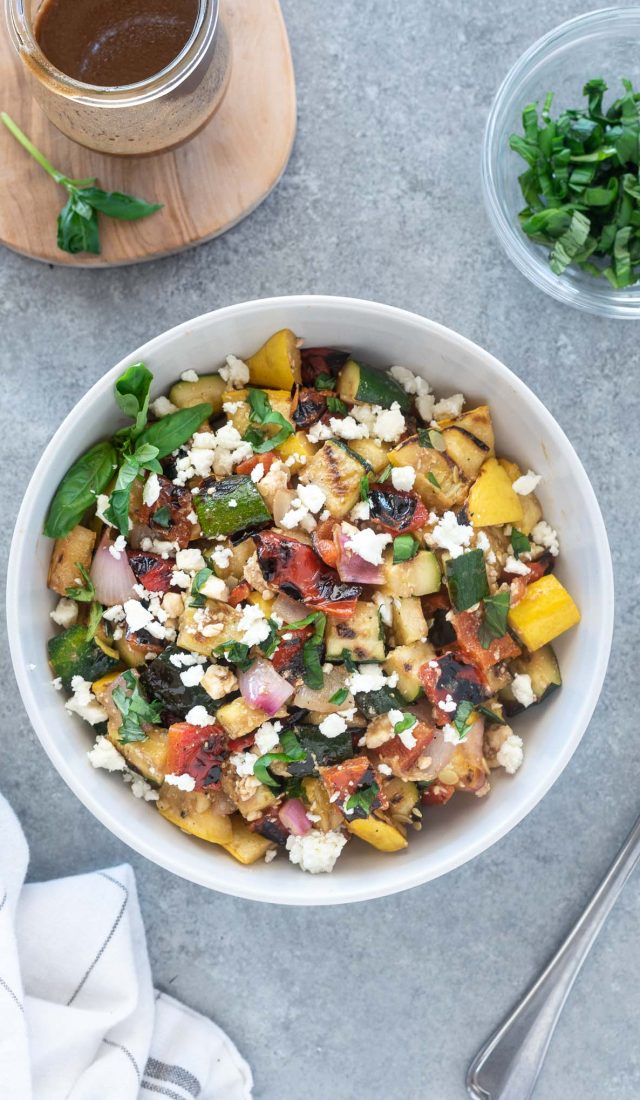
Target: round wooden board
pixel 207 185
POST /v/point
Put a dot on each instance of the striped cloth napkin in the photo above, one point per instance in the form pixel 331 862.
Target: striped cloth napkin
pixel 79 1017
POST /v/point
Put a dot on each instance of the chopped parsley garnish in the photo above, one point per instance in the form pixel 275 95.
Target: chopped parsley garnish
pixel 462 719
pixel 364 488
pixel 135 710
pixel 335 405
pixel 496 609
pixel 312 649
pixel 362 800
pixel 405 548
pixel 325 382
pixel 293 752
pixel 339 697
pixel 520 544
pixel 581 183
pixel 200 579
pixel 433 479
pixel 236 653
pixel 407 722
pixel 262 414
pixel 431 438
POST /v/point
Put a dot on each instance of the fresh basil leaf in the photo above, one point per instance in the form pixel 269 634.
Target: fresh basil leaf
pixel 362 800
pixel 405 548
pixel 520 544
pixel 467 579
pixel 93 622
pixel 132 393
pixel 236 653
pixel 78 228
pixel 116 204
pixel 385 474
pixel 433 479
pixel 407 722
pixel 496 610
pixel 118 510
pixel 462 719
pixel 364 488
pixel 325 382
pixel 135 709
pixel 262 414
pixel 162 517
pixel 175 429
pixel 77 491
pixel 269 645
pixel 335 405
pixel 86 593
pixel 339 697
pixel 293 753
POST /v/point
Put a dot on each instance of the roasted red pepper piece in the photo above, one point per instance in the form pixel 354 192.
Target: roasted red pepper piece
pixel 240 593
pixel 178 500
pixel 287 658
pixel 447 676
pixel 297 571
pixel 404 758
pixel 437 601
pixel 197 751
pixel 239 744
pixel 152 571
pixel 396 510
pixel 467 626
pixel 437 794
pixel 319 361
pixel 307 406
pixel 266 460
pixel 343 780
pixel 324 543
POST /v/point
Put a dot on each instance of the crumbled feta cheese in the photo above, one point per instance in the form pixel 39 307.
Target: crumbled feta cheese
pixel 527 483
pixel 162 407
pixel 235 372
pixel 137 615
pixel 105 755
pixel 409 381
pixel 139 786
pixel 117 548
pixel 151 490
pixel 102 503
pixel 319 431
pixel 214 588
pixel 366 543
pixel 348 428
pixel 183 782
pixel 243 762
pixel 270 855
pixel 172 604
pixel 361 511
pixel 407 738
pixel 266 737
pixel 219 681
pixel 482 542
pixel 231 407
pixel 114 614
pixel 190 376
pixel 221 556
pixel 190 560
pixel 513 565
pixel 383 603
pixel 199 716
pixel 192 676
pixel 253 625
pixel 389 424
pixel 449 406
pixel 316 852
pixel 84 703
pixel 448 705
pixel 257 473
pixel 181 579
pixel 312 496
pixel 65 613
pixel 450 535
pixel 332 726
pixel 425 404
pixel 369 678
pixel 511 754
pixel 544 535
pixel 451 735
pixel 403 477
pixel 522 689
pixel 384 769
pixel 57 683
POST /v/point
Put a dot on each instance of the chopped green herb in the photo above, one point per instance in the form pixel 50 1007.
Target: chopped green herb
pixel 269 645
pixel 431 438
pixel 162 518
pixel 520 544
pixel 339 696
pixel 490 715
pixel 407 722
pixel 293 753
pixel 325 382
pixel 467 579
pixel 348 661
pixel 364 488
pixel 581 185
pixel 312 649
pixel 236 653
pixel 335 405
pixel 135 710
pixel 462 719
pixel 93 622
pixel 405 548
pixel 362 800
pixel 200 579
pixel 433 479
pixel 262 414
pixel 496 609
pixel 385 474
pixel 87 592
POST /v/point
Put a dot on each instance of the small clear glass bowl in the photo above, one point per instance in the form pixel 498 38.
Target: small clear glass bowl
pixel 599 44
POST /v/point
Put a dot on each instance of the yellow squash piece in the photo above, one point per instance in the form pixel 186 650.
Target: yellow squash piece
pixel 245 845
pixel 280 401
pixel 182 808
pixel 74 549
pixel 492 499
pixel 276 363
pixel 545 611
pixel 299 447
pixel 469 440
pixel 531 510
pixel 439 481
pixel 266 606
pixel 382 835
pixel 99 686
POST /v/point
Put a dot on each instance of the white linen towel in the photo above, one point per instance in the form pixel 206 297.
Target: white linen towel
pixel 79 1018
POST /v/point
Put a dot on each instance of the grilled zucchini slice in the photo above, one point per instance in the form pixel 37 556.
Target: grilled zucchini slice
pixel 361 636
pixel 339 473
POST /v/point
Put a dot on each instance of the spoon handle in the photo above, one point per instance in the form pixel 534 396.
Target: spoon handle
pixel 508 1065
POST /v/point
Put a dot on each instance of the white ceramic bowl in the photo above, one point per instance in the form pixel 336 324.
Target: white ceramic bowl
pixel 525 431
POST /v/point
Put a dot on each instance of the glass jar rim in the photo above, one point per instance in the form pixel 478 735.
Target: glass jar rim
pixel 160 83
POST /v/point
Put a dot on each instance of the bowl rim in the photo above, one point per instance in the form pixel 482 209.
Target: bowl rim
pixel 604 302
pixel 372 884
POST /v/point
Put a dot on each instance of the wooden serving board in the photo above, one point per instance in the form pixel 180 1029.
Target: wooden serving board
pixel 207 185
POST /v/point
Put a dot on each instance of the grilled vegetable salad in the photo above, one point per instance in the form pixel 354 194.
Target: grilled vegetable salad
pixel 301 600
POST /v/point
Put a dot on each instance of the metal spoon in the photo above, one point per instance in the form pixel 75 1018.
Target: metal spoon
pixel 508 1066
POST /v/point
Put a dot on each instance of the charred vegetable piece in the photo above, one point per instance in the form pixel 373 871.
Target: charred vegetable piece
pixel 232 506
pixel 308 406
pixel 469 440
pixel 381 834
pixel 395 510
pixel 147 757
pixel 320 366
pixel 441 632
pixel 298 572
pixel 162 681
pixel 419 576
pixel 207 390
pixel 183 808
pixel 69 552
pixel 198 751
pixel 70 654
pixel 372 703
pixel 152 571
pixel 447 676
pixel 403 758
pixel 468 629
pixel 467 579
pixel 439 481
pixel 325 750
pixel 543 669
pixel 172 508
pixel 270 827
pixel 357 382
pixel 437 793
pixel 338 471
pixel 406 661
pixel 288 658
pixel 492 499
pixel 343 781
pixel 360 636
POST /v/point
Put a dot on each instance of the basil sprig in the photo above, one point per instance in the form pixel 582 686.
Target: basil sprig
pixel 78 229
pixel 312 649
pixel 135 710
pixel 132 450
pixel 262 414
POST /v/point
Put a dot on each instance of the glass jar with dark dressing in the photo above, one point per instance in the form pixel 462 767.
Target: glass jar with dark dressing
pixel 128 77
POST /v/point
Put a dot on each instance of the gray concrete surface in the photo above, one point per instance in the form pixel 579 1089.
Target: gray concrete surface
pixel 381 200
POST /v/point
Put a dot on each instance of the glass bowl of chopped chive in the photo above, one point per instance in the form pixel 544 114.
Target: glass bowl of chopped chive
pixel 561 163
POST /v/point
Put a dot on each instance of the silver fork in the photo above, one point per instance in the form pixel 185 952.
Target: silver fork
pixel 508 1066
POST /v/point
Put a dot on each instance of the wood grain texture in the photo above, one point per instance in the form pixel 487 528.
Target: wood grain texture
pixel 206 185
